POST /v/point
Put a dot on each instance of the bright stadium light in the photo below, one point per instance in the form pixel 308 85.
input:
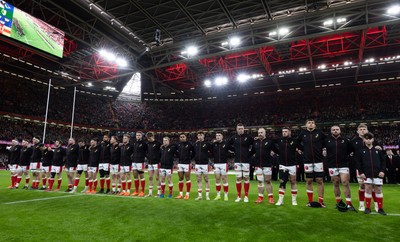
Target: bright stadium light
pixel 243 78
pixel 341 20
pixel 394 10
pixel 192 50
pixel 122 62
pixel 328 22
pixel 234 41
pixel 283 31
pixel 273 33
pixel 103 53
pixel 323 66
pixel 89 84
pixel 111 57
pixel 220 81
pixel 207 83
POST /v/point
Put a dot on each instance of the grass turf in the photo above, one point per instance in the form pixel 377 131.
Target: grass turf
pixel 59 216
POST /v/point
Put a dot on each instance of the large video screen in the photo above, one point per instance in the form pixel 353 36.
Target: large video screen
pixel 23 27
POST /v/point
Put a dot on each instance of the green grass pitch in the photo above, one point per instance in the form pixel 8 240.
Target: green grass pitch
pixel 28 215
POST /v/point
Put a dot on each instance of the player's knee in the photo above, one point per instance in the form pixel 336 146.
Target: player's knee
pixel 282 185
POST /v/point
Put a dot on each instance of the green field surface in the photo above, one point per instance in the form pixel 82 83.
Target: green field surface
pixel 28 215
pixel 32 37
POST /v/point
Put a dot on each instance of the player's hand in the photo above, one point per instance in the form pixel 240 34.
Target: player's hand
pixel 381 174
pixel 378 147
pixel 300 152
pixel 363 176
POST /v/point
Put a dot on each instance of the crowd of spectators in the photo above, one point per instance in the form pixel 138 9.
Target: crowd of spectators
pixel 325 105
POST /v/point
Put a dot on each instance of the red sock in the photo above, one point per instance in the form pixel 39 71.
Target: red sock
pixel 368 202
pixel 70 186
pixel 361 195
pixel 12 181
pixel 294 192
pixel 162 188
pixel 218 187
pixel 246 189
pixel 170 189
pixel 338 199
pixel 86 181
pixel 374 196
pixel 108 183
pixel 321 199
pixel 59 183
pixel 95 185
pixel 143 184
pixel 270 196
pixel 310 195
pixel 27 181
pixel 188 186
pixel 76 182
pixel 51 182
pixel 90 183
pixel 239 188
pixel 226 188
pixel 180 185
pixel 379 200
pixel 129 184
pixel 44 180
pixel 123 185
pixel 102 183
pixel 19 179
pixel 281 192
pixel 136 185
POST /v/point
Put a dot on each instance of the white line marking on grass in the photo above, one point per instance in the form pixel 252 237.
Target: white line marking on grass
pixel 72 195
pixel 38 199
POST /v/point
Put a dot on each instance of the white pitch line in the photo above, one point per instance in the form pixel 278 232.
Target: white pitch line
pixel 74 195
pixel 38 199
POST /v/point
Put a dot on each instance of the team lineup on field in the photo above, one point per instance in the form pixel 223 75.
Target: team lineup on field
pixel 117 162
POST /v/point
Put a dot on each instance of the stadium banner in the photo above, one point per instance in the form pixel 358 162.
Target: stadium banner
pixel 23 27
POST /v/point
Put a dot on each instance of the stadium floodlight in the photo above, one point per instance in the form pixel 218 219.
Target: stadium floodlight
pixel 89 84
pixel 301 69
pixel 370 60
pixel 103 53
pixel 207 83
pixel 273 33
pixel 234 41
pixel 111 57
pixel 225 43
pixel 341 20
pixel 122 62
pixel 347 63
pixel 323 66
pixel 328 22
pixel 283 31
pixel 393 10
pixel 220 81
pixel 243 78
pixel 192 50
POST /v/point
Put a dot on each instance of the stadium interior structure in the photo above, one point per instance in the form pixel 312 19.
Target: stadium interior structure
pixel 189 65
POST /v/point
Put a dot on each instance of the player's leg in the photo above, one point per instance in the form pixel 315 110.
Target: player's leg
pixel 293 187
pixel 170 184
pixel 142 182
pixel 207 183
pixel 368 195
pixel 188 181
pixel 217 174
pixel 180 181
pixel 267 172
pixel 224 176
pixel 319 178
pixel 162 182
pixel 19 177
pixel 136 180
pixel 128 181
pixel 379 196
pixel 336 188
pixel 199 184
pixel 361 192
pixel 260 179
pixel 151 180
pixel 102 178
pixel 123 175
pixel 283 179
pixel 157 173
pixel 246 178
pixel 309 172
pixel 239 175
pixel 345 179
pixel 107 176
pixel 51 180
pixel 59 178
pixel 77 178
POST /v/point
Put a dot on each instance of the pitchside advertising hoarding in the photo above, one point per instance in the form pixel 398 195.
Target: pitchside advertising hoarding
pixel 25 28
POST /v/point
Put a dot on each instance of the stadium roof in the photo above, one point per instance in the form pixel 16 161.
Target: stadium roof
pixel 280 45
